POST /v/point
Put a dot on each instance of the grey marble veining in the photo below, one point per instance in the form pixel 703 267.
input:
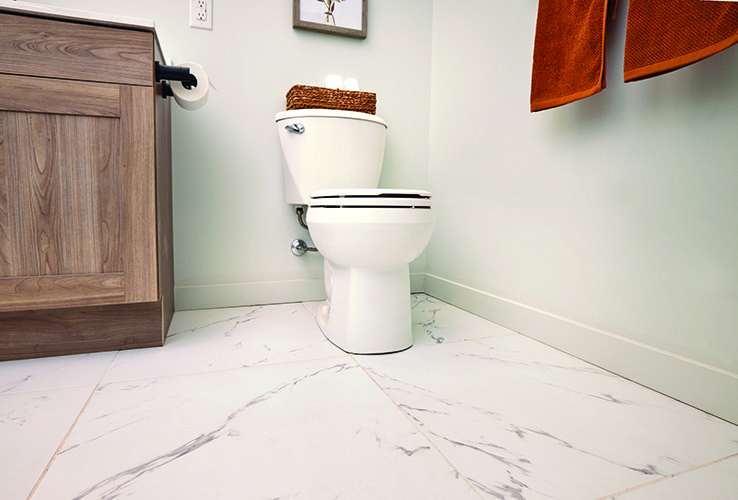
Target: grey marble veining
pixel 435 322
pixel 253 402
pixel 315 429
pixel 46 373
pixel 210 340
pixel 120 482
pixel 524 421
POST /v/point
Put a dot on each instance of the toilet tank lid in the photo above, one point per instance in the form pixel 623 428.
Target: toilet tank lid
pixel 327 113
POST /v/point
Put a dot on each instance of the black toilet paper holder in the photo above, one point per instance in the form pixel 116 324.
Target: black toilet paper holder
pixel 182 74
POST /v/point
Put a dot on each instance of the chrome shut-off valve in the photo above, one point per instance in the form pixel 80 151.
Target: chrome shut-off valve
pixel 300 248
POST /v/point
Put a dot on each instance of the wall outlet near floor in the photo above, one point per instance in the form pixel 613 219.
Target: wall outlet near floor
pixel 201 14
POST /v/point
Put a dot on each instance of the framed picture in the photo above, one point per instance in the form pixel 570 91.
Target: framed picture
pixel 336 17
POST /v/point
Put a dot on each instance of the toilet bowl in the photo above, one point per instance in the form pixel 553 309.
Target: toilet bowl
pixel 332 160
pixel 368 237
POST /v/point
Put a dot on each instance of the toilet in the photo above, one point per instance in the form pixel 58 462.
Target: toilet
pixel 332 160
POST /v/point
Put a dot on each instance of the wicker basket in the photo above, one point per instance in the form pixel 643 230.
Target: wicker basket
pixel 306 97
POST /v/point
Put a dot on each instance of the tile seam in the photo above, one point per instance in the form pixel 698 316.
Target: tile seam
pixel 419 429
pixel 71 428
pixel 617 494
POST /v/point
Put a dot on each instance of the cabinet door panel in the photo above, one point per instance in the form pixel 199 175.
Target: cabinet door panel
pixel 77 206
pixel 63 194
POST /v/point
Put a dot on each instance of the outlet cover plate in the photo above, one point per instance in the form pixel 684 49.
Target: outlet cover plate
pixel 201 14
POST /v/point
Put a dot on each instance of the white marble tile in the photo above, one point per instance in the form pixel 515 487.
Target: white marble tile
pixel 717 481
pixel 61 371
pixel 316 429
pixel 32 426
pixel 523 421
pixel 435 322
pixel 253 402
pixel 209 340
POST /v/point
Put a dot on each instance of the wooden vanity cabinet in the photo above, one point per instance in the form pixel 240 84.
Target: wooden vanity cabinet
pixel 85 189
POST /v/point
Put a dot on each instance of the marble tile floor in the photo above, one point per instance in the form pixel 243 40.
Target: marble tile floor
pixel 254 403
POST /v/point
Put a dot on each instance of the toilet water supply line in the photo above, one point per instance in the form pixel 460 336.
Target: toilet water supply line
pixel 299 247
pixel 299 211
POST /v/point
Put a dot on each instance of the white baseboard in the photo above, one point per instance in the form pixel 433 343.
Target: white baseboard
pixel 258 293
pixel 706 387
pixel 247 294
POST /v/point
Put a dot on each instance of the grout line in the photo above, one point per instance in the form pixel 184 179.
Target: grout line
pixel 305 305
pixel 419 429
pixel 666 478
pixel 224 369
pixel 71 428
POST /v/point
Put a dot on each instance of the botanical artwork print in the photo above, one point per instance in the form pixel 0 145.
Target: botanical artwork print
pixel 330 5
pixel 335 13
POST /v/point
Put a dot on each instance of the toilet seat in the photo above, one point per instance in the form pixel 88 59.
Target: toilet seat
pixel 368 238
pixel 370 198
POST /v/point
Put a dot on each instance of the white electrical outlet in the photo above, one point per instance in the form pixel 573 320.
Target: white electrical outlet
pixel 201 14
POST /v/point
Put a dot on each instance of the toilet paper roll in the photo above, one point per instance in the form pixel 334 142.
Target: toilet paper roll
pixel 334 82
pixel 351 84
pixel 196 97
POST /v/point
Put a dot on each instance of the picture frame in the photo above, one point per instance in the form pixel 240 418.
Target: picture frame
pixel 334 17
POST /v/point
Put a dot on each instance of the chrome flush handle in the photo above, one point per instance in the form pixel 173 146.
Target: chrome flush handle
pixel 297 128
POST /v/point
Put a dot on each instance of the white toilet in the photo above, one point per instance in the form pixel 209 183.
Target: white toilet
pixel 368 236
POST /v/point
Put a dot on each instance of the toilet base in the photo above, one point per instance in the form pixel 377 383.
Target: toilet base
pixel 368 311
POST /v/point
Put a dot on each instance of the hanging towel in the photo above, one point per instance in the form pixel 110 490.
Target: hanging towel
pixel 665 35
pixel 569 51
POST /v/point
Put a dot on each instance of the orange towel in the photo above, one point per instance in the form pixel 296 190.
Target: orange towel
pixel 569 52
pixel 665 35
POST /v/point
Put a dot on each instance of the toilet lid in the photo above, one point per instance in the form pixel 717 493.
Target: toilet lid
pixel 295 114
pixel 370 198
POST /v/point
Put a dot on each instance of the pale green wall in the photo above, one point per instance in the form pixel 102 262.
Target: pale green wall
pixel 618 213
pixel 232 229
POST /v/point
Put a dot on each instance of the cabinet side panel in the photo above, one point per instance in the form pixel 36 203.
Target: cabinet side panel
pixel 163 123
pixel 164 204
pixel 139 193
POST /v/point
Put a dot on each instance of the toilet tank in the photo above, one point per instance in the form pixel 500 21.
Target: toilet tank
pixel 329 149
